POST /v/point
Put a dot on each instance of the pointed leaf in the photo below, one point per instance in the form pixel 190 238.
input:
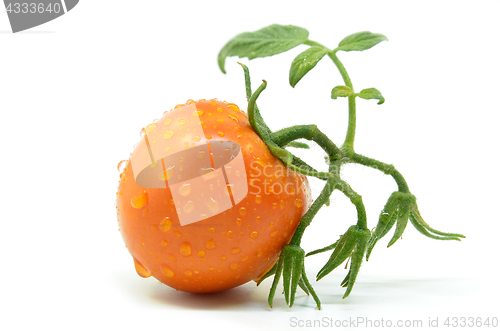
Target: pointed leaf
pixel 360 41
pixel 271 40
pixel 372 93
pixel 402 215
pixel 341 91
pixel 304 62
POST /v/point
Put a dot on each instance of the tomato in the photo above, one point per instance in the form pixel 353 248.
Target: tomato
pixel 169 231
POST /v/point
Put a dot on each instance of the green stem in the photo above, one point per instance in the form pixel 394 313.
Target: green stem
pixel 351 128
pixel 387 169
pixel 313 210
pixel 309 132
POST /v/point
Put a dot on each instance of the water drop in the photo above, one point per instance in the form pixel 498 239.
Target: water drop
pixel 211 230
pixel 165 224
pixel 254 234
pixel 233 266
pixel 282 205
pixel 190 102
pixel 197 113
pixel 213 102
pixel 234 118
pixel 243 211
pixel 232 106
pixel 220 120
pixel 223 258
pixel 298 202
pixel 260 162
pixel 212 204
pixel 141 271
pixel 179 106
pixel 201 254
pixel 220 110
pixel 168 134
pixel 239 222
pixel 164 243
pixel 188 207
pixel 273 233
pixel 185 189
pixel 185 249
pixel 150 128
pixel 235 250
pixel 196 138
pixel 140 200
pixel 220 134
pixel 181 122
pixel 165 269
pixel 121 166
pixel 210 244
pixel 230 234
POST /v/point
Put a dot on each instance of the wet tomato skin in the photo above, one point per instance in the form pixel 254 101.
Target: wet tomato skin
pixel 230 248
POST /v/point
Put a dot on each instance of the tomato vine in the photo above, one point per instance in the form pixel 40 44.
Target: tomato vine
pixel 358 241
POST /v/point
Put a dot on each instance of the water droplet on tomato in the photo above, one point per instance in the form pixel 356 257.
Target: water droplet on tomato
pixel 254 234
pixel 235 250
pixel 121 166
pixel 298 202
pixel 234 118
pixel 220 120
pixel 141 271
pixel 223 258
pixel 190 102
pixel 258 199
pixel 150 128
pixel 188 207
pixel 185 249
pixel 282 205
pixel 220 110
pixel 243 211
pixel 197 113
pixel 165 269
pixel 201 254
pixel 181 122
pixel 232 106
pixel 230 234
pixel 196 138
pixel 273 233
pixel 140 200
pixel 233 266
pixel 168 134
pixel 179 106
pixel 212 204
pixel 165 224
pixel 210 244
pixel 164 243
pixel 220 133
pixel 185 189
pixel 239 221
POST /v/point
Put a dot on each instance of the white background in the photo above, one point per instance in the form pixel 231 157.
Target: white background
pixel 75 92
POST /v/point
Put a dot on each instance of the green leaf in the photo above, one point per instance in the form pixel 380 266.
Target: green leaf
pixel 372 93
pixel 267 41
pixel 304 62
pixel 360 41
pixel 341 92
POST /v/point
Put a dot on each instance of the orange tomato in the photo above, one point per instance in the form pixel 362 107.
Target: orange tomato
pixel 231 246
